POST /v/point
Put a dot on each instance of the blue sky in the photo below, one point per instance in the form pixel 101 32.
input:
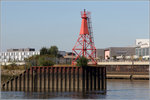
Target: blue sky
pixel 38 24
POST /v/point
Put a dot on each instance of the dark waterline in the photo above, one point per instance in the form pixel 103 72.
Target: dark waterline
pixel 116 89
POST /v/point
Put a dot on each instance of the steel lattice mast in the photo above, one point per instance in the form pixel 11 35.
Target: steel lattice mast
pixel 85 43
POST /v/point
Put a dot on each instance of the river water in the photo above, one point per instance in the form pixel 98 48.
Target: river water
pixel 116 90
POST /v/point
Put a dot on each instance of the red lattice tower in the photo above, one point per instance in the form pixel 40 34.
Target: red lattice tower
pixel 85 43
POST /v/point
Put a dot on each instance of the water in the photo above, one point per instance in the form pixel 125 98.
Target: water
pixel 116 90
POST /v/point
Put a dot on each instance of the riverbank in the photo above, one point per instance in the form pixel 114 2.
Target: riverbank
pixel 128 75
pixel 8 72
pixel 136 77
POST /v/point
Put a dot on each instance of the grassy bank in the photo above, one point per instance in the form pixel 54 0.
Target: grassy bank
pixel 8 72
pixel 13 67
pixel 5 78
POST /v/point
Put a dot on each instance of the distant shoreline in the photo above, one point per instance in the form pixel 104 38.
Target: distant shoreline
pixel 128 75
pixel 134 77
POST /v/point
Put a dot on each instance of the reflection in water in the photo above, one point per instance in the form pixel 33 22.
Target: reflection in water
pixel 42 95
pixel 116 89
pixel 56 95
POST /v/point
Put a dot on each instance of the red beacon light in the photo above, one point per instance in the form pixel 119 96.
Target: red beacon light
pixel 85 43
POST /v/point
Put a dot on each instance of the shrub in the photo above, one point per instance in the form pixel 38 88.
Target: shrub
pixel 83 61
pixel 13 66
pixel 45 61
pixel 5 67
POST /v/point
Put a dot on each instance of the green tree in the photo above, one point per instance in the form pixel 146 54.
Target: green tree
pixel 32 61
pixel 46 57
pixel 53 51
pixel 83 62
pixel 43 51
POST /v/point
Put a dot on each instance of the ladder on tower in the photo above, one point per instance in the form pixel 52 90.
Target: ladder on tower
pixel 90 31
pixel 90 26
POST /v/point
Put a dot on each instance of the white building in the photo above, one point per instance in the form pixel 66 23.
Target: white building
pixel 17 55
pixel 142 42
pixel 142 47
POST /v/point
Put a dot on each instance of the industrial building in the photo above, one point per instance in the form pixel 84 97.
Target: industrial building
pixel 119 51
pixel 110 52
pixel 63 53
pixel 100 54
pixel 142 47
